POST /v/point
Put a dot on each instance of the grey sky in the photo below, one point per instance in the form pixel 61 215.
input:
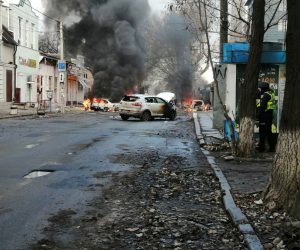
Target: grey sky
pixel 158 5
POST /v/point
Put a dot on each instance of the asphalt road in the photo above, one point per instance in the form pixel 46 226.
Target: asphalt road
pixel 73 148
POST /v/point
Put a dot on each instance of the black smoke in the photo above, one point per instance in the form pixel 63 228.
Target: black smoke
pixel 172 45
pixel 108 34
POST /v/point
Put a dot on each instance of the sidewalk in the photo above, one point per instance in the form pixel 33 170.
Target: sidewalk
pixel 247 179
pixel 246 176
pixel 210 135
pixel 28 111
pixel 20 111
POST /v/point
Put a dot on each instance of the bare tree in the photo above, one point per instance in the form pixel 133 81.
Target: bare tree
pixel 284 187
pixel 48 43
pixel 173 52
pixel 239 16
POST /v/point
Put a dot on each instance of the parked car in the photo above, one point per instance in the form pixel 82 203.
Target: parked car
pixel 197 105
pixel 102 104
pixel 146 107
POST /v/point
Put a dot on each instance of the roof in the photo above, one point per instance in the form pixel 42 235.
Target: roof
pixel 54 57
pixel 7 36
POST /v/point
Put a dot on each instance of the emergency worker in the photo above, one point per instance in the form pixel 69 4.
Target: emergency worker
pixel 265 107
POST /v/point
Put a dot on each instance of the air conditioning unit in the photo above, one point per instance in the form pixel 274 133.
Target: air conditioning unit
pixel 30 79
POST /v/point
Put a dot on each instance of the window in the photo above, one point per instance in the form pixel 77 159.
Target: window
pixel 20 29
pixel 130 98
pixel 26 34
pixel 160 100
pixel 282 25
pixel 32 45
pixel 151 100
pixel 282 6
pixel 50 82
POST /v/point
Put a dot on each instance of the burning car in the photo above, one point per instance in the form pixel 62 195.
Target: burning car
pixel 146 107
pixel 101 104
pixel 197 105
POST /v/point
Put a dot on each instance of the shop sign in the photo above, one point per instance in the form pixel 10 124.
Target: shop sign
pixel 27 62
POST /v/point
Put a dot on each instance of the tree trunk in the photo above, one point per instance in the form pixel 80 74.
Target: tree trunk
pixel 247 107
pixel 284 188
pixel 223 26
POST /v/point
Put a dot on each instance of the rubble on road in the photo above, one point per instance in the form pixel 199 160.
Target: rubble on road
pixel 162 205
pixel 165 201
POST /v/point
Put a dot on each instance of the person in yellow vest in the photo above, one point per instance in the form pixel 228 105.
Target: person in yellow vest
pixel 265 107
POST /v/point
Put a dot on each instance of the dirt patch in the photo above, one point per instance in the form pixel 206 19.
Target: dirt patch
pixel 161 205
pixel 248 179
pixel 275 229
pixel 62 218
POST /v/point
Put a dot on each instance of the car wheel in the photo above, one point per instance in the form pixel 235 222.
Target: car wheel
pixel 124 117
pixel 146 116
pixel 106 109
pixel 172 116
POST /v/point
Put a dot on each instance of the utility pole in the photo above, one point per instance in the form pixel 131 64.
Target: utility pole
pixel 63 80
pixel 223 26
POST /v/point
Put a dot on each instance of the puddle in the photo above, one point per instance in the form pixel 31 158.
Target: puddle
pixel 38 173
pixel 31 146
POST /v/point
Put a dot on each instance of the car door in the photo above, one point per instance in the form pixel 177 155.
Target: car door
pixel 160 107
pixel 151 104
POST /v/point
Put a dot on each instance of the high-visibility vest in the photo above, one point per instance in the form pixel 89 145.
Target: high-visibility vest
pixel 274 129
pixel 257 102
pixel 271 105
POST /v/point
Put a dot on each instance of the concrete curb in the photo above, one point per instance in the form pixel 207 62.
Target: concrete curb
pixel 199 135
pixel 237 216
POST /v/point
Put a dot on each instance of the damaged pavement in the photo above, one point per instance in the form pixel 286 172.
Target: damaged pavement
pixel 169 199
pixel 164 192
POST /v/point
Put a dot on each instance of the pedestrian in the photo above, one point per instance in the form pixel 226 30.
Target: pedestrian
pixel 265 108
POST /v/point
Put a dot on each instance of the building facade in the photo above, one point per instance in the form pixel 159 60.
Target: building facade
pixel 77 81
pixel 23 22
pixel 8 47
pixel 48 87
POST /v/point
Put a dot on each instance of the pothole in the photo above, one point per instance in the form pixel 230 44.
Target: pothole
pixel 38 173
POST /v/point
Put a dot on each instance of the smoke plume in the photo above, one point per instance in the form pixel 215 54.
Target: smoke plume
pixel 108 34
pixel 171 46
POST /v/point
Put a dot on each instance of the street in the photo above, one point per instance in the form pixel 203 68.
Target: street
pixel 104 178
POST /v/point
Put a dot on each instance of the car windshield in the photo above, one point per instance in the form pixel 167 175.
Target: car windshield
pixel 130 98
pixel 198 103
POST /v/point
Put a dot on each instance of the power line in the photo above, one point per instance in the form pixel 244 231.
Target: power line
pixel 46 15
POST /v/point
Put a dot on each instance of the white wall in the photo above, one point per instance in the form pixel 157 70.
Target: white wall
pixel 27 56
pixel 27 61
pixel 230 94
pixel 8 54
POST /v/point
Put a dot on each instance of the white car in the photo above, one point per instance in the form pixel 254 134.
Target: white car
pixel 102 104
pixel 146 107
pixel 197 105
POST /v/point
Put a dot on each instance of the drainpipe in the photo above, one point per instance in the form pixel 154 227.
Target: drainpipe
pixel 15 73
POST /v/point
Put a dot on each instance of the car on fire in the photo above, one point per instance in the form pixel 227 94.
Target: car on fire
pixel 146 107
pixel 197 105
pixel 102 104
